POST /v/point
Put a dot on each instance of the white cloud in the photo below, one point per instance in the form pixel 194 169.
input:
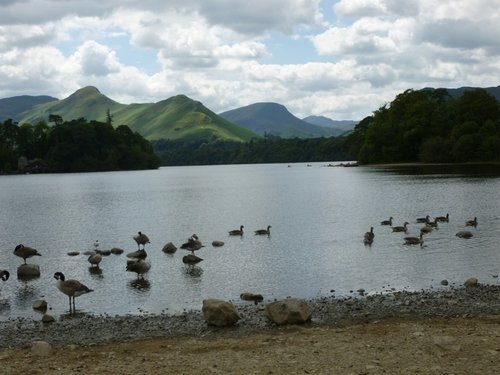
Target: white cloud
pixel 214 50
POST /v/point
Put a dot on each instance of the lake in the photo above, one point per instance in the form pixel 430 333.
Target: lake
pixel 318 215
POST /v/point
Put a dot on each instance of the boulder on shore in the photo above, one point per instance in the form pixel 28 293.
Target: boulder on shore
pixel 219 313
pixel 289 311
pixel 471 282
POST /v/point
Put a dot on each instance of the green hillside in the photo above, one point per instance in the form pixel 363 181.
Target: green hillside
pixel 11 107
pixel 178 117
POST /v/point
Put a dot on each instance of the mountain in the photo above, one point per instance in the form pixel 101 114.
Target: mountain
pixel 275 119
pixel 455 93
pixel 340 126
pixel 174 118
pixel 13 106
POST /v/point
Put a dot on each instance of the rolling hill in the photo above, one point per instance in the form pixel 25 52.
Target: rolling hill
pixel 174 118
pixel 340 126
pixel 275 119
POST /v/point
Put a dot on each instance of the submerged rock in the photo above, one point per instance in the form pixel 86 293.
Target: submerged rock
pixel 169 248
pixel 28 271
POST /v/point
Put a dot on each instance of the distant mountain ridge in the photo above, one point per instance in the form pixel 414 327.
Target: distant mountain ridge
pixel 174 118
pixel 275 119
pixel 340 126
pixel 11 107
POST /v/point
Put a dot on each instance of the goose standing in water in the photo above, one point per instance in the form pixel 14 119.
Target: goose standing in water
pixel 426 230
pixel 414 240
pixel 386 222
pixel 401 228
pixel 25 252
pixel 237 232
pixel 95 259
pixel 139 266
pixel 369 236
pixel 471 223
pixel 193 243
pixel 264 231
pixel 4 275
pixel 72 288
pixel 141 239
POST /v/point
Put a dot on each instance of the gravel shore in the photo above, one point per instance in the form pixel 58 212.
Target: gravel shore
pixel 93 330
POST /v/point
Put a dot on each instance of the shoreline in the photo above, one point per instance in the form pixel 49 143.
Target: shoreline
pixel 85 329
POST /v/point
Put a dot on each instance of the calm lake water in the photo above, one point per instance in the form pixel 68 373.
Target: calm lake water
pixel 318 216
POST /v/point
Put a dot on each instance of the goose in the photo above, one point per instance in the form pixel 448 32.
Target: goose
pixel 25 252
pixel 264 231
pixel 443 219
pixel 386 222
pixel 423 219
pixel 414 240
pixel 433 224
pixel 471 223
pixel 237 232
pixel 464 234
pixel 191 259
pixel 426 230
pixel 369 236
pixel 141 239
pixel 139 266
pixel 193 243
pixel 4 275
pixel 401 229
pixel 95 259
pixel 72 288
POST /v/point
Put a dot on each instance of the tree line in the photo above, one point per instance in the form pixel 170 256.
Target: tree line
pixel 73 146
pixel 426 126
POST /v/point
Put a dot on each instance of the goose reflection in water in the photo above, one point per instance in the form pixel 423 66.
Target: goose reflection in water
pixel 140 285
pixel 194 271
pixel 96 271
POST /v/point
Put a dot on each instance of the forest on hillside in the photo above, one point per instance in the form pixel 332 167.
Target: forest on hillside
pixel 426 126
pixel 72 146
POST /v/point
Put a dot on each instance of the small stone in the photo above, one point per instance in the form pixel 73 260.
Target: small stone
pixel 251 297
pixel 46 318
pixel 73 253
pixel 41 348
pixel 40 304
pixel 217 243
pixel 444 282
pixel 116 251
pixel 471 282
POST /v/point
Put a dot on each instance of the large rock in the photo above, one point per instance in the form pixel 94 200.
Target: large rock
pixel 40 304
pixel 169 248
pixel 289 311
pixel 220 313
pixel 28 271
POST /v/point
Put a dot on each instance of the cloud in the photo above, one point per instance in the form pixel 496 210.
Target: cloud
pixel 95 59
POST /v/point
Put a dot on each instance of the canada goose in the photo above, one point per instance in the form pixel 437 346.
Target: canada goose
pixel 426 230
pixel 443 219
pixel 72 288
pixel 25 252
pixel 369 236
pixel 401 229
pixel 95 259
pixel 414 240
pixel 471 223
pixel 423 219
pixel 4 275
pixel 141 239
pixel 237 232
pixel 264 231
pixel 139 266
pixel 433 224
pixel 464 234
pixel 193 243
pixel 191 259
pixel 386 222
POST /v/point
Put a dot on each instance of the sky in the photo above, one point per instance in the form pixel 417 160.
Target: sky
pixel 340 59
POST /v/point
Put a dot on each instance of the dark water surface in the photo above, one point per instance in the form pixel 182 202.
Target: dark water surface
pixel 318 216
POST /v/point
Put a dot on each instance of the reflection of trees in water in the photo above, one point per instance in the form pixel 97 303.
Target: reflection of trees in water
pixel 140 284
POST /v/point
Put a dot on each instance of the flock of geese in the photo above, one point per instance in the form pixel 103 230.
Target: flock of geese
pixel 429 226
pixel 74 288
